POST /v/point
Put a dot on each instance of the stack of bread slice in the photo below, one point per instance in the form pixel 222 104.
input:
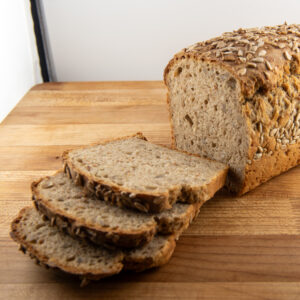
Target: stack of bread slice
pixel 119 205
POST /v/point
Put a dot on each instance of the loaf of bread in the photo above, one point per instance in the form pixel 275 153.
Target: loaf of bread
pixel 67 206
pixel 52 248
pixel 132 172
pixel 236 99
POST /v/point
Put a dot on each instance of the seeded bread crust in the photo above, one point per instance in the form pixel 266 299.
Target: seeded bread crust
pixel 266 64
pixel 128 259
pixel 105 235
pixel 145 202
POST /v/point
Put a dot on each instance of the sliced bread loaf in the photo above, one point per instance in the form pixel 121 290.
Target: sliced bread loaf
pixel 134 173
pixel 53 248
pixel 67 206
pixel 235 99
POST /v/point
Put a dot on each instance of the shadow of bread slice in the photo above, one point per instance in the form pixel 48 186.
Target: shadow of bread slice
pixel 70 209
pixel 52 248
pixel 132 172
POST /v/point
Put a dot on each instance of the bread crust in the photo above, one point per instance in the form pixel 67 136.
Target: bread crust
pixel 266 64
pixel 145 202
pixel 107 236
pixel 138 264
pixel 127 259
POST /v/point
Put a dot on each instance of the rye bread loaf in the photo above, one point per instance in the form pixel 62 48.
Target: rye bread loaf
pixel 52 248
pixel 236 99
pixel 67 206
pixel 132 172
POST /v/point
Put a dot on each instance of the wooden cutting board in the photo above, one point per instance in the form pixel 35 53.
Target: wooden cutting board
pixel 238 248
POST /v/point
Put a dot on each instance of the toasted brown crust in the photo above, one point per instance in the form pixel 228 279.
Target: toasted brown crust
pixel 127 259
pixel 106 236
pixel 145 202
pixel 131 262
pixel 266 64
pixel 267 167
pixel 178 226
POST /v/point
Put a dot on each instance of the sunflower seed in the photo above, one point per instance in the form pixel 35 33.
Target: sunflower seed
pixel 251 65
pixel 268 65
pixel 244 41
pixel 140 207
pixel 261 140
pixel 281 45
pixel 229 58
pixel 267 75
pixel 242 71
pixel 258 60
pixel 262 53
pixel 47 185
pixel 257 155
pixel 70 258
pixel 287 55
pixel 260 44
pixel 240 53
pixel 273 132
pixel 288 124
pixel 260 149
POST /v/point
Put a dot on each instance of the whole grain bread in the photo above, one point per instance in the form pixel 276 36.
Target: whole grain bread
pixel 132 172
pixel 235 99
pixel 52 248
pixel 67 206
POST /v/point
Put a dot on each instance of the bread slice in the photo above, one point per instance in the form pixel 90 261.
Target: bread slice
pixel 132 172
pixel 66 205
pixel 52 248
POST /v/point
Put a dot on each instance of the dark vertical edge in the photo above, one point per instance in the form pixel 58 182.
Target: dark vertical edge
pixel 40 41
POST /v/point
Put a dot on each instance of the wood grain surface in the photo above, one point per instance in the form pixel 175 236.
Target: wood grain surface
pixel 238 248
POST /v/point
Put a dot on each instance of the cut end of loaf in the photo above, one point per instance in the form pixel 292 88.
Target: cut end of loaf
pixel 206 116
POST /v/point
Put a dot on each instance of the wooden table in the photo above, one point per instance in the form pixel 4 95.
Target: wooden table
pixel 238 248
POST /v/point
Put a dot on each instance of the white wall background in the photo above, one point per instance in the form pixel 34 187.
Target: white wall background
pixel 19 64
pixel 134 39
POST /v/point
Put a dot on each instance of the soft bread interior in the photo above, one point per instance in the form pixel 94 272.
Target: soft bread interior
pixel 207 116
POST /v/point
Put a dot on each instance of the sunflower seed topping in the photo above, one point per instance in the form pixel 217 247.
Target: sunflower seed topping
pixel 287 55
pixel 281 45
pixel 262 53
pixel 258 60
pixel 268 65
pixel 242 71
pixel 257 155
pixel 251 65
